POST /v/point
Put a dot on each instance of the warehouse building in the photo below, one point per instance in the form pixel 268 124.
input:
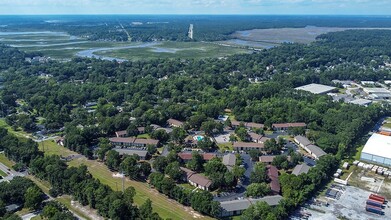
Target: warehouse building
pixel 317 88
pixel 377 150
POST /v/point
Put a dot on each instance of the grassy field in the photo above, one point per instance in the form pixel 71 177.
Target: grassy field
pixel 18 133
pixel 225 146
pixel 4 160
pixel 2 174
pixel 51 148
pixel 64 46
pixel 145 136
pixel 185 50
pixel 387 123
pixel 165 207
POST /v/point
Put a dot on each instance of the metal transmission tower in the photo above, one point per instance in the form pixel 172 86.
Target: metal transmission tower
pixel 191 33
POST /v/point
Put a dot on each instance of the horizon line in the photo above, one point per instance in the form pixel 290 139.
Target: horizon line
pixel 178 14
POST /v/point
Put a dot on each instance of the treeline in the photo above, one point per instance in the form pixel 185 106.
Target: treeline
pixel 201 201
pixel 77 182
pixel 295 190
pixel 24 193
pixel 21 192
pixel 194 91
pixel 175 28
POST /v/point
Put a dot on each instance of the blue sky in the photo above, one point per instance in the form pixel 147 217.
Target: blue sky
pixel 330 7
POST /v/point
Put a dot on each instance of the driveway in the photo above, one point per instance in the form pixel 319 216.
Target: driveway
pixel 249 165
pixel 241 187
pixel 30 215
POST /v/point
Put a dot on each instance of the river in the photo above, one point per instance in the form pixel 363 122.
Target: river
pixel 90 53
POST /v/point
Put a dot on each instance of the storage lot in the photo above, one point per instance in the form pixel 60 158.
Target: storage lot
pixel 351 205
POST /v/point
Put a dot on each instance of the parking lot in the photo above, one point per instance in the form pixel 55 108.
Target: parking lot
pixel 348 202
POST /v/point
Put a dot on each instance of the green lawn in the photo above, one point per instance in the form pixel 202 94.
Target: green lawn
pixel 225 146
pixel 4 160
pixel 358 152
pixel 50 147
pixel 187 186
pixel 38 217
pixel 2 174
pixel 161 204
pixel 145 136
pixel 18 133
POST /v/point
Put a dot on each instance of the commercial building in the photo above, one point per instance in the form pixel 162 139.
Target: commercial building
pixel 377 150
pixel 317 88
pixel 362 102
pixel 236 207
pixel 378 93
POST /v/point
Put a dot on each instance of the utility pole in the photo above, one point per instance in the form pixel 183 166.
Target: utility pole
pixel 123 183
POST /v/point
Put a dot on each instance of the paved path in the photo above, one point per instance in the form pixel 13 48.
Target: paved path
pixel 29 216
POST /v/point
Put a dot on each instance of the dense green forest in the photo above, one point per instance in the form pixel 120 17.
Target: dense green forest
pixel 175 28
pixel 77 182
pixel 195 91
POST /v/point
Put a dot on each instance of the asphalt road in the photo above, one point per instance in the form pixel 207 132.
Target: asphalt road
pixel 10 173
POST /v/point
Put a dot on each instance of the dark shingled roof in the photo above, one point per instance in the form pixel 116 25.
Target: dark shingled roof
pixel 248 144
pixel 289 125
pixel 174 122
pixel 272 173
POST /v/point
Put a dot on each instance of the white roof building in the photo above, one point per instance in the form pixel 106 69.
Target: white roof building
pixel 363 102
pixel 377 150
pixel 316 88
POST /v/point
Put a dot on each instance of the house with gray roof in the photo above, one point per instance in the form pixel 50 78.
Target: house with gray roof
pixel 302 141
pixel 301 168
pixel 315 151
pixel 307 145
pixel 130 151
pixel 229 160
pixel 236 207
pixel 246 146
pixel 197 180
